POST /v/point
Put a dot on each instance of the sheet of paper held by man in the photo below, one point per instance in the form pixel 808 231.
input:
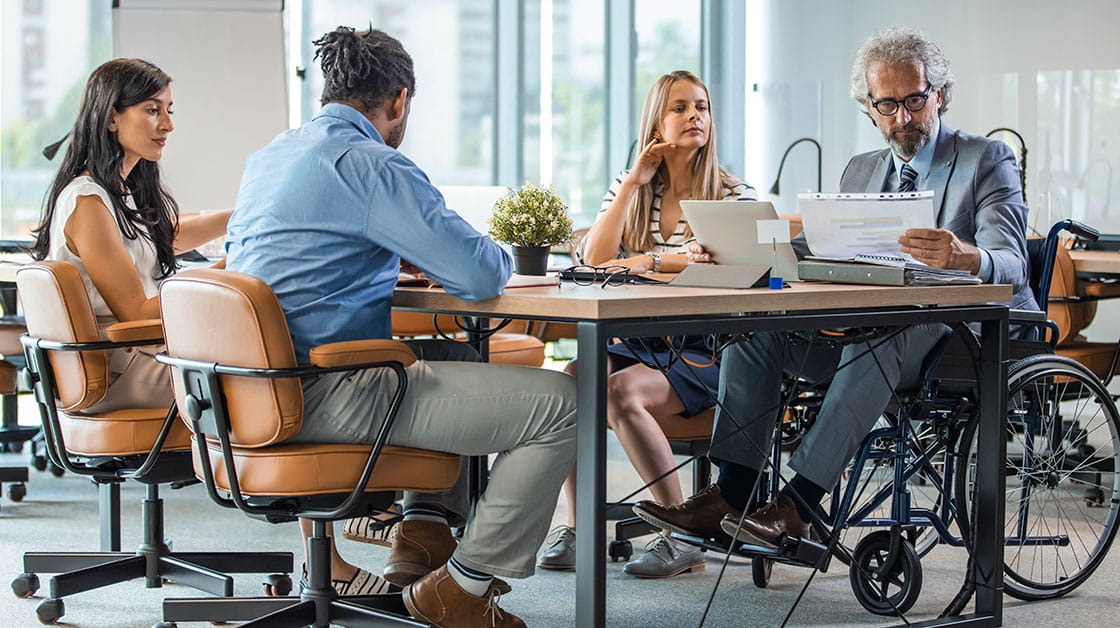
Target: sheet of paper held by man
pixel 847 226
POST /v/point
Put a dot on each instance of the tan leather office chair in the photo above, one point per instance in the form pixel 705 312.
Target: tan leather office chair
pixel 516 345
pixel 1072 307
pixel 12 436
pixel 237 380
pixel 68 371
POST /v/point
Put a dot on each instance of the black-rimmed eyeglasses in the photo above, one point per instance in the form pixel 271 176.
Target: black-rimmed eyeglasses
pixel 913 103
pixel 586 275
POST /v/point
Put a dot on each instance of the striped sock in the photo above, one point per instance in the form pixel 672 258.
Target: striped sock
pixel 425 512
pixel 473 581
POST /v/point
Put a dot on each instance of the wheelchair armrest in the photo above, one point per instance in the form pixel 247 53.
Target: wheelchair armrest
pixel 361 352
pixel 1034 317
pixel 130 331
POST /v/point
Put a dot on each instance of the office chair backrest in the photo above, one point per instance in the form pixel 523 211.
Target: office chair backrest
pixel 233 318
pixel 57 308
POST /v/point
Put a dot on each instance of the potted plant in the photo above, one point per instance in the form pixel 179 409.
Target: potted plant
pixel 531 219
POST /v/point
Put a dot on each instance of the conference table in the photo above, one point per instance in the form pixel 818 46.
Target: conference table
pixel 602 313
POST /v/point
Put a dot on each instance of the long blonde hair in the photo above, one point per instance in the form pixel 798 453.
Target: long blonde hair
pixel 709 180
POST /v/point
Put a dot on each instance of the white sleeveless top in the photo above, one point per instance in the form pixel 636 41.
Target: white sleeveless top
pixel 141 251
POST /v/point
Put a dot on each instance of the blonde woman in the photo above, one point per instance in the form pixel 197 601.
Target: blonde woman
pixel 641 226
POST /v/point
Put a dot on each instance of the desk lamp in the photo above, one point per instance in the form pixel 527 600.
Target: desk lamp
pixel 774 189
pixel 1022 157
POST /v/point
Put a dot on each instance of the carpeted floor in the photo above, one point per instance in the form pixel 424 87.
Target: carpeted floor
pixel 61 514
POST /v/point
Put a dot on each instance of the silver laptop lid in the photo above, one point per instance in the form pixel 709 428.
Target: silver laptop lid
pixel 728 231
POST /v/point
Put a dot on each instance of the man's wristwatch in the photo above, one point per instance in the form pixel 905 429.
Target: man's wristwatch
pixel 656 257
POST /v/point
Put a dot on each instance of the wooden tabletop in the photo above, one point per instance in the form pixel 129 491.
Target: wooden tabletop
pixel 1103 262
pixel 572 302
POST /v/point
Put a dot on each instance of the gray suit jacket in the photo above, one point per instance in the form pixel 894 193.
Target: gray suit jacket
pixel 976 195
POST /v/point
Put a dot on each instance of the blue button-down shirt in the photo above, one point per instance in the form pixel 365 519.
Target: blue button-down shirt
pixel 324 215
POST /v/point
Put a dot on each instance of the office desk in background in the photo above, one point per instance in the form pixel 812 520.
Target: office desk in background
pixel 1104 264
pixel 604 313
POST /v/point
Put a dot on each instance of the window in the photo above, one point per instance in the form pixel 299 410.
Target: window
pixel 450 130
pixel 565 120
pixel 1078 123
pixel 47 50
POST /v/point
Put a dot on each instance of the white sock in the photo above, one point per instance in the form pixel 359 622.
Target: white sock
pixel 473 581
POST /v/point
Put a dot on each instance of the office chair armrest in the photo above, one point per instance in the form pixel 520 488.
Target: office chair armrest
pixel 361 352
pixel 130 331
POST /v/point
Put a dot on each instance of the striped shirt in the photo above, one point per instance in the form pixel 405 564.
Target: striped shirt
pixel 677 242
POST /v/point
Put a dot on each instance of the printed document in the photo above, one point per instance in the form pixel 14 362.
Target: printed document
pixel 848 226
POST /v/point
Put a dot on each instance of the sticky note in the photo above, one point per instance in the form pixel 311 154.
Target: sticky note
pixel 772 231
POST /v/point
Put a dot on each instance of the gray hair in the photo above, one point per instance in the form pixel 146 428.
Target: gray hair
pixel 901 45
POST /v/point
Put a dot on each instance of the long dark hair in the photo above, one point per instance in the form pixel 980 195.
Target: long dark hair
pixel 114 87
pixel 368 67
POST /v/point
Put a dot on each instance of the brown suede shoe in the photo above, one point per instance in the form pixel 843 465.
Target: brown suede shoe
pixel 699 515
pixel 768 525
pixel 439 600
pixel 420 547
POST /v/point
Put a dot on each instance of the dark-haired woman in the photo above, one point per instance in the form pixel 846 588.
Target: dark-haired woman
pixel 109 215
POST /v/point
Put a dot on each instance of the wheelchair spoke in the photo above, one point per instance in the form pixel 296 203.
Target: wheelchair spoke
pixel 1062 459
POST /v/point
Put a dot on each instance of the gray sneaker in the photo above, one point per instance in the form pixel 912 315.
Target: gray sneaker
pixel 560 550
pixel 665 558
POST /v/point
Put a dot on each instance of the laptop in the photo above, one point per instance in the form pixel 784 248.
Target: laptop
pixel 728 232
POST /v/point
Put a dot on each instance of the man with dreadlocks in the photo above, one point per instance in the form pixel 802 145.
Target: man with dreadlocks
pixel 325 215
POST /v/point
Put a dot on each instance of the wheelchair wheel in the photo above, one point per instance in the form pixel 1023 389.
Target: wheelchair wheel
pixel 1054 542
pixel 885 583
pixel 761 568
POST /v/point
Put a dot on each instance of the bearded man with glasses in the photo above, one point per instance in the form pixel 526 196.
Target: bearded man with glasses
pixel 903 84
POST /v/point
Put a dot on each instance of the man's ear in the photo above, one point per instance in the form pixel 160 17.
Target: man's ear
pixel 397 105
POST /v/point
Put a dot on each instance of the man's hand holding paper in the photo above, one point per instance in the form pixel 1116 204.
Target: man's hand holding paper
pixel 940 248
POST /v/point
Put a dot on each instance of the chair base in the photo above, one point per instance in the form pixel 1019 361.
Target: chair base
pixel 77 572
pixel 307 610
pixel 318 604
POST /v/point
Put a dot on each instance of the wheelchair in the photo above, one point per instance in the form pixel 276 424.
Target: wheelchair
pixel 911 484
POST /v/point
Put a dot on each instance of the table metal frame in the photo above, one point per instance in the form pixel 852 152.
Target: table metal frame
pixel 595 335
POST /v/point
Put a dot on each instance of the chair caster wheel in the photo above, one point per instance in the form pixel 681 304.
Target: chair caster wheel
pixel 620 550
pixel 50 610
pixel 25 585
pixel 277 585
pixel 39 462
pixel 885 584
pixel 166 624
pixel 16 492
pixel 57 471
pixel 761 568
pixel 1094 498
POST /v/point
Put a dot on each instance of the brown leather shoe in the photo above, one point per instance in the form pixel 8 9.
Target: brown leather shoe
pixel 768 525
pixel 420 547
pixel 439 600
pixel 699 515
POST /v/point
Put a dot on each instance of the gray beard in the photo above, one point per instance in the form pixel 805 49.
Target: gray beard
pixel 908 148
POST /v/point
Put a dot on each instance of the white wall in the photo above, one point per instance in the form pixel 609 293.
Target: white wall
pixel 226 61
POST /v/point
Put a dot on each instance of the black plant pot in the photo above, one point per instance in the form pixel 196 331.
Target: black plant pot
pixel 530 260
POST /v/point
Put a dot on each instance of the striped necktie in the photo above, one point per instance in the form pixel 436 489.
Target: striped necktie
pixel 907 178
